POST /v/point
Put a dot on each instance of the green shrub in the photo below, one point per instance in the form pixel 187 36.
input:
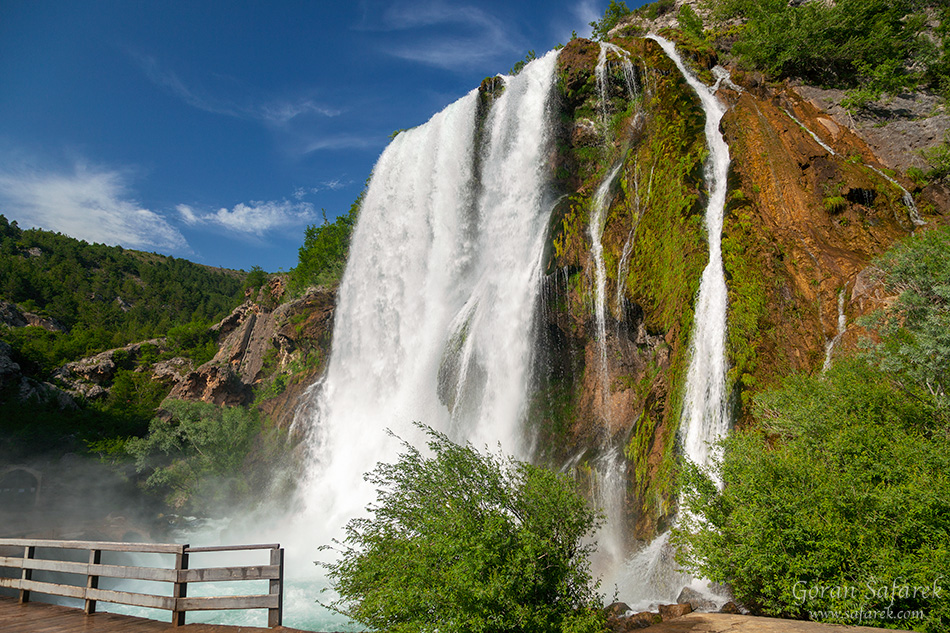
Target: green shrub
pixel 838 507
pixel 854 494
pixel 463 541
pixel 835 204
pixel 322 258
pixel 914 346
pixel 939 159
pixel 690 23
pixel 870 46
pixel 193 454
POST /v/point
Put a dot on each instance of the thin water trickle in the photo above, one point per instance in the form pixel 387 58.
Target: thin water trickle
pixel 913 212
pixel 841 329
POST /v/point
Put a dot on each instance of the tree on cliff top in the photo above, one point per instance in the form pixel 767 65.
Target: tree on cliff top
pixel 464 541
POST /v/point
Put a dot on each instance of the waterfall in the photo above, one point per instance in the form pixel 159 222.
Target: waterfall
pixel 435 310
pixel 601 203
pixel 651 575
pixel 596 230
pixel 610 468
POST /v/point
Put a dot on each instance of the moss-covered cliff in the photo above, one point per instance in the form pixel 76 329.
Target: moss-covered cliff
pixel 804 218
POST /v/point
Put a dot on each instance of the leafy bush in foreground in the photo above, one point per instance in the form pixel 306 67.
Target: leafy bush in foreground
pixel 838 507
pixel 852 500
pixel 462 541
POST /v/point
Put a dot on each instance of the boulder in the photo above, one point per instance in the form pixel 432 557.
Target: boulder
pixel 619 622
pixel 696 600
pixel 9 370
pixel 672 611
pixel 730 607
pixel 642 620
pixel 92 377
pixel 10 315
pixel 213 383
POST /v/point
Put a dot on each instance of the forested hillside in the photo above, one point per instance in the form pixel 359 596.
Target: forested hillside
pixel 62 300
pixel 102 296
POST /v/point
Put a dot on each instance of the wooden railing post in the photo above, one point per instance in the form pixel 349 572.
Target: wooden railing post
pixel 181 586
pixel 28 553
pixel 92 580
pixel 275 616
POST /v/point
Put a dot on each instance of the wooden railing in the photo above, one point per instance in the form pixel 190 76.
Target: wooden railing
pixel 179 603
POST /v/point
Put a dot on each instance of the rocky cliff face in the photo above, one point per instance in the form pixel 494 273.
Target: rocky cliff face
pixel 268 353
pixel 812 200
pixel 275 352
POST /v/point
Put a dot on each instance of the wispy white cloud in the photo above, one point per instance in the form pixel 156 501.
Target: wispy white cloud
pixel 282 112
pixel 341 141
pixel 91 204
pixel 328 185
pixel 253 218
pixel 277 112
pixel 585 12
pixel 475 38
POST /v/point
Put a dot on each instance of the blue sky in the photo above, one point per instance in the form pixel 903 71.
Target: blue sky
pixel 217 131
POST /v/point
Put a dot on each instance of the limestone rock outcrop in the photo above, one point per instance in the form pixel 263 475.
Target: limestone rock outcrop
pixel 259 347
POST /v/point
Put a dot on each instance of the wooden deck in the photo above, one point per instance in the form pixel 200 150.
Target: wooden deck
pixel 38 617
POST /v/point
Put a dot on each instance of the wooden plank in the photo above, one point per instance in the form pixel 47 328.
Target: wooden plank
pixel 132 599
pixel 221 574
pixel 14 562
pixel 231 548
pixel 92 581
pixel 180 589
pixel 228 602
pixel 28 553
pixel 49 588
pixel 110 546
pixel 158 574
pixel 66 567
pixel 275 616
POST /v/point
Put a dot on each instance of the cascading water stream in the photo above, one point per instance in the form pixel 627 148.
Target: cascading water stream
pixel 610 469
pixel 600 204
pixel 596 229
pixel 705 418
pixel 912 211
pixel 651 575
